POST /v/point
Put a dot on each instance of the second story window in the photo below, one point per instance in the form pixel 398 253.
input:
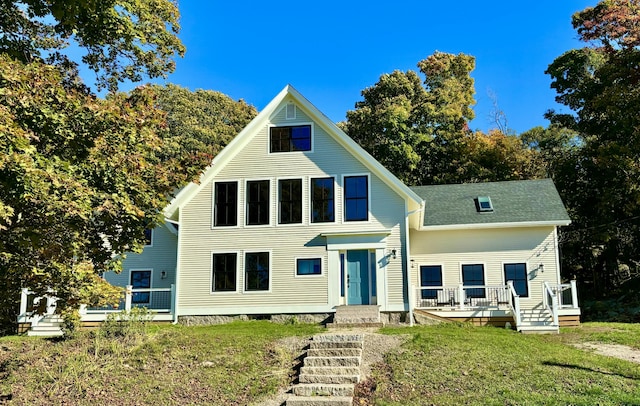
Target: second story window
pixel 290 201
pixel 225 207
pixel 257 202
pixel 356 198
pixel 322 200
pixel 290 139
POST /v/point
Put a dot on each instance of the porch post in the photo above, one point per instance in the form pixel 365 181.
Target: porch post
pixel 127 298
pixel 23 300
pixel 461 297
pixel 574 294
pixel 173 300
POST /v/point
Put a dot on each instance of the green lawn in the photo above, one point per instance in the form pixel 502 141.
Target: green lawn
pixel 455 364
pixel 243 362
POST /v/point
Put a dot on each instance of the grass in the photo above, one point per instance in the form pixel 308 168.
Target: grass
pixel 456 364
pixel 243 362
pixel 233 364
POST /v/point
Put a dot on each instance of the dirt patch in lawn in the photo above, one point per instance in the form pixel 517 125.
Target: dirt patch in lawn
pixel 612 350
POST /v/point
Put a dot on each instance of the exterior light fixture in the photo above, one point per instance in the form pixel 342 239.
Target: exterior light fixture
pixel 393 254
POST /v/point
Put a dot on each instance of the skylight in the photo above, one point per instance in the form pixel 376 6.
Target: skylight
pixel 484 204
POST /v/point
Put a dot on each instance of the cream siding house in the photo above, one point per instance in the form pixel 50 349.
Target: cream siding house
pixel 293 217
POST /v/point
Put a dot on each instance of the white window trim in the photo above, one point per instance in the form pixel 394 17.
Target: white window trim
pixel 322 267
pixel 291 124
pixel 130 283
pixel 231 292
pixel 245 203
pixel 238 203
pixel 527 268
pixel 277 201
pixel 244 271
pixel 336 214
pixel 441 265
pixel 343 216
pixel 484 272
pixel 152 230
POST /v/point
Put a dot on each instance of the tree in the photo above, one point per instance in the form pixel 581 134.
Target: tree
pixel 402 117
pixel 80 180
pixel 124 39
pixel 601 83
pixel 199 125
pixel 419 129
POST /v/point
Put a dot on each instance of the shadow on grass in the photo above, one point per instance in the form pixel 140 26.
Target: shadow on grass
pixel 579 367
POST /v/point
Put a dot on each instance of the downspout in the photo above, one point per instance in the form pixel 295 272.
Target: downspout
pixel 177 281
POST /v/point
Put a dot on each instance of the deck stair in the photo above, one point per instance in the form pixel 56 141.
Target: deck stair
pixel 330 370
pixel 537 322
pixel 356 316
pixel 48 326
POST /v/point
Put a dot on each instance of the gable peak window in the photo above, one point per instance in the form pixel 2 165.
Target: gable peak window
pixel 290 138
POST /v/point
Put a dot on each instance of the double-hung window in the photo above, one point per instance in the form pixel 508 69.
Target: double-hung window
pixel 430 275
pixel 322 200
pixel 356 198
pixel 223 278
pixel 148 237
pixel 518 274
pixel 290 201
pixel 473 275
pixel 256 271
pixel 225 210
pixel 290 139
pixel 141 280
pixel 257 202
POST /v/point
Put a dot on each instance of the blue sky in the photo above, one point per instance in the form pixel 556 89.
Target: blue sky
pixel 331 50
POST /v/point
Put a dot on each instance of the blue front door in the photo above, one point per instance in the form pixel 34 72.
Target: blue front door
pixel 358 277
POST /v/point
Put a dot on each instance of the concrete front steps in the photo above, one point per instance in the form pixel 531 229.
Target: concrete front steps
pixel 330 371
pixel 48 326
pixel 356 316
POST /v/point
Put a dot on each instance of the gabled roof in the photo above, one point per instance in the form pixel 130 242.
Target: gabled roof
pixel 246 135
pixel 515 204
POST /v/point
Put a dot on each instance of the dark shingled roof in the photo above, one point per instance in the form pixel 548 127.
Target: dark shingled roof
pixel 513 202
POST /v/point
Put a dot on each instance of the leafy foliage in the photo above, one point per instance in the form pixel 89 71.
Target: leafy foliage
pixel 199 125
pixel 124 39
pixel 599 179
pixel 80 180
pixel 419 129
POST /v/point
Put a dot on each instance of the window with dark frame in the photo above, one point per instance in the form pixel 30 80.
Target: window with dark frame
pixel 224 272
pixel 430 275
pixel 141 280
pixel 308 266
pixel 256 271
pixel 225 212
pixel 290 139
pixel 148 237
pixel 473 275
pixel 257 202
pixel 518 274
pixel 356 198
pixel 290 201
pixel 322 200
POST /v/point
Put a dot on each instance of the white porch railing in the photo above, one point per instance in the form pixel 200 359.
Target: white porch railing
pixel 461 297
pixel 550 301
pixel 514 303
pixel 161 302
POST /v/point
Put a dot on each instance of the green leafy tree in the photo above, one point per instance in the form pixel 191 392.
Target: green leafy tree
pixel 123 39
pixel 200 124
pixel 600 183
pixel 80 179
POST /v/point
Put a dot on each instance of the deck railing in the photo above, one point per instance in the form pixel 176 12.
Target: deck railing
pixel 158 300
pixel 514 303
pixel 550 301
pixel 461 296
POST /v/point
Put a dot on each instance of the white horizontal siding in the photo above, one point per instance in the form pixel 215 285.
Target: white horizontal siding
pixel 491 247
pixel 285 242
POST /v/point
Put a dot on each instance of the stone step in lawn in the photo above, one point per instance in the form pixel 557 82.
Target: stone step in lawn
pixel 307 378
pixel 323 389
pixel 355 370
pixel 320 401
pixel 332 361
pixel 334 352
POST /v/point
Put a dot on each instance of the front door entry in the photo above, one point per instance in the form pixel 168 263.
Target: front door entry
pixel 358 277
